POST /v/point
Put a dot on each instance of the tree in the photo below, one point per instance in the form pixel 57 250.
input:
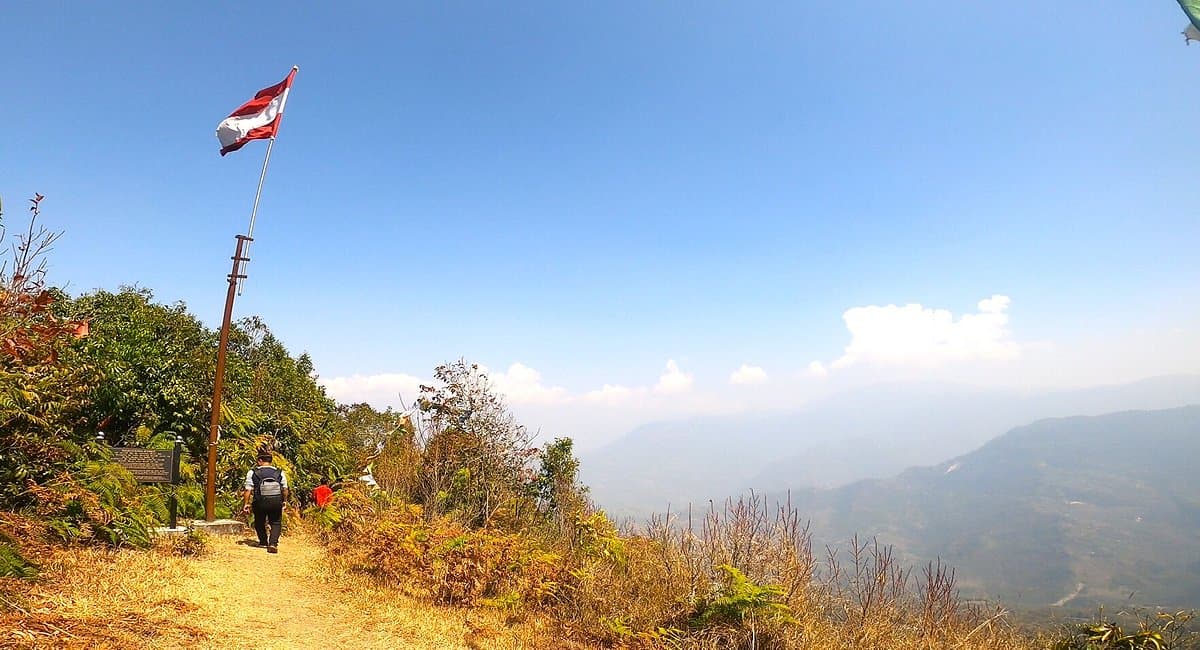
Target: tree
pixel 475 455
pixel 281 406
pixel 556 486
pixel 40 395
pixel 155 371
pixel 368 431
pixel 155 368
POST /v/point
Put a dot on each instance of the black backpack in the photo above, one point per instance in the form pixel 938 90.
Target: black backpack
pixel 268 487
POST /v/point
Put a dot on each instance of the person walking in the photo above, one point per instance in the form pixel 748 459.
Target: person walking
pixel 266 491
pixel 322 493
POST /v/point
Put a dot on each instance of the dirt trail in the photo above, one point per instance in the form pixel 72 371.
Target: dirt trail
pixel 248 598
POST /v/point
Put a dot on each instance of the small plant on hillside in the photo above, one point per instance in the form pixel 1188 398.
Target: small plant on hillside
pixel 12 563
pixel 324 518
pixel 1160 631
pixel 738 600
pixel 594 537
pixel 193 543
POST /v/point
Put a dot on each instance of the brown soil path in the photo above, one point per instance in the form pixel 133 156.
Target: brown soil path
pixel 248 598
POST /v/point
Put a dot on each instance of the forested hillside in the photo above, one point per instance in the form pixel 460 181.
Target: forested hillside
pixel 1080 511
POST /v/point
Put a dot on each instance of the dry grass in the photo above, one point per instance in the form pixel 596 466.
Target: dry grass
pixel 654 589
pixel 233 596
pixel 675 575
pixel 741 576
pixel 91 598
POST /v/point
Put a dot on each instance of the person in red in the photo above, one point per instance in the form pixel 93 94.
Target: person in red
pixel 322 494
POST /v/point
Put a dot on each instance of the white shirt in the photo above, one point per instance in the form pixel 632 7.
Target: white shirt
pixel 250 477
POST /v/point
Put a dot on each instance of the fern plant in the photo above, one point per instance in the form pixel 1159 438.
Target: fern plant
pixel 12 563
pixel 739 598
pixel 101 502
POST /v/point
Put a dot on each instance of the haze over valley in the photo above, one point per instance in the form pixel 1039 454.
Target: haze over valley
pixel 872 432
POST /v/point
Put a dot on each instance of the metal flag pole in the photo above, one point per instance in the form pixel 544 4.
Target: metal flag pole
pixel 257 195
pixel 241 256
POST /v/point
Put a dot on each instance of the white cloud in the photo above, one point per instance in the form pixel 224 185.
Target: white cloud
pixel 674 380
pixel 380 391
pixel 748 374
pixel 922 336
pixel 521 384
pixel 610 394
pixel 888 344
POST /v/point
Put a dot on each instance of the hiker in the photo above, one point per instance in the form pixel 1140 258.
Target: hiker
pixel 322 493
pixel 266 492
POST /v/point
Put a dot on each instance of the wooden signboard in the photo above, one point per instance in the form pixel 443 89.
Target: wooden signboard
pixel 148 465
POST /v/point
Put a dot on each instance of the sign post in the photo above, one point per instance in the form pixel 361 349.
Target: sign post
pixel 147 465
pixel 152 466
pixel 173 522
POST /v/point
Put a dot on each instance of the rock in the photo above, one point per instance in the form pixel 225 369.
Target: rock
pixel 220 527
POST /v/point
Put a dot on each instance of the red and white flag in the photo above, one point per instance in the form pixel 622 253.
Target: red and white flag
pixel 257 119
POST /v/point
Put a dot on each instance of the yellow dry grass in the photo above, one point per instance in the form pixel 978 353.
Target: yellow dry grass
pixel 238 596
pixel 90 598
pixel 234 596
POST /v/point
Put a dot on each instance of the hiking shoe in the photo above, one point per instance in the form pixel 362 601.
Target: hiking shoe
pixel 272 549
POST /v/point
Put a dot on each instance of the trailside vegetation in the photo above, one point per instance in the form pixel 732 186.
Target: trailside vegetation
pixel 141 373
pixel 473 515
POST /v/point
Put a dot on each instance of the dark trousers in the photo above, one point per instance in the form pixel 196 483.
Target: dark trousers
pixel 264 515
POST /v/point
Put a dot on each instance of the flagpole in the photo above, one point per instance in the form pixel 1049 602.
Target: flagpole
pixel 257 195
pixel 214 431
pixel 241 256
pixel 261 177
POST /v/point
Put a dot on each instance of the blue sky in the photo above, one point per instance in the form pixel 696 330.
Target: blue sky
pixel 591 189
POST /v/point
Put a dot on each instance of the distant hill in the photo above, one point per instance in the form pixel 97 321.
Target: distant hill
pixel 1099 507
pixel 874 432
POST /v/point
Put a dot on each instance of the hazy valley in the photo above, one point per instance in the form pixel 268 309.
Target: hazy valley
pixel 1074 510
pixel 825 444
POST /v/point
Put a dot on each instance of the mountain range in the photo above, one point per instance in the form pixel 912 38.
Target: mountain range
pixel 870 433
pixel 1068 511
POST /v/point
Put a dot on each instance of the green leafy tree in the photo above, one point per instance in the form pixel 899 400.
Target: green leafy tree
pixel 155 369
pixel 556 485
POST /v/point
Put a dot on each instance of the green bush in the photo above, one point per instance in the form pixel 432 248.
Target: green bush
pixel 738 599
